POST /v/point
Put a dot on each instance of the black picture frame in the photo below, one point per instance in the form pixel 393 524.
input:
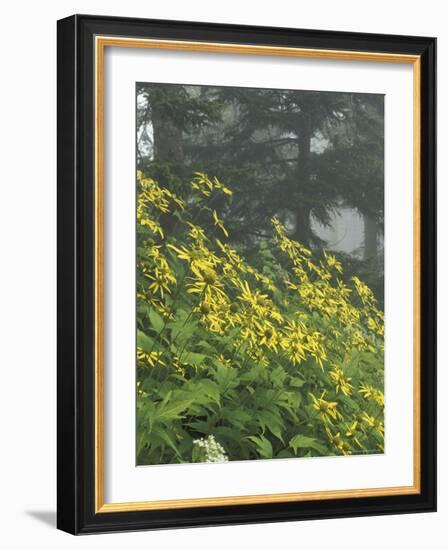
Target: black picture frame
pixel 76 256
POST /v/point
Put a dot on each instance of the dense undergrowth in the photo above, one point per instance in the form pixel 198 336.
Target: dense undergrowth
pixel 236 360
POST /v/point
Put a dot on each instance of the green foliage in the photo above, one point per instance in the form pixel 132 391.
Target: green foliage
pixel 271 355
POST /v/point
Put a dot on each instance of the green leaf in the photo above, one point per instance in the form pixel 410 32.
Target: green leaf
pixel 264 446
pixel 163 435
pixel 294 401
pixel 197 454
pixel 172 411
pixel 203 427
pixel 210 389
pixel 278 376
pixel 181 331
pixel 206 346
pixel 144 342
pixel 237 417
pixel 141 439
pixel 227 377
pixel 272 421
pixel 156 320
pixel 297 382
pixel 300 441
pixel 349 402
pixel 196 359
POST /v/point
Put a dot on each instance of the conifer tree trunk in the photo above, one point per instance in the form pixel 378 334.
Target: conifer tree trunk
pixel 370 237
pixel 302 231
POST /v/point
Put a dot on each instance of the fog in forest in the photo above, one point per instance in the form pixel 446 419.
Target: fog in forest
pixel 313 159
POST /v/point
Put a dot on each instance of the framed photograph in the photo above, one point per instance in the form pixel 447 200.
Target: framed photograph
pixel 246 274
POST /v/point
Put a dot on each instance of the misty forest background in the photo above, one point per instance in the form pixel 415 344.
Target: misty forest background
pixel 313 159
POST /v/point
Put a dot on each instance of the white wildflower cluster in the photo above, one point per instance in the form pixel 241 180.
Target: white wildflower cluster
pixel 211 450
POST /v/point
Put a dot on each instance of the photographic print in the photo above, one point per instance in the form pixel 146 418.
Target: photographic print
pixel 224 210
pixel 260 325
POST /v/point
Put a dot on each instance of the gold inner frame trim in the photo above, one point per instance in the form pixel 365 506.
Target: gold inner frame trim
pixel 101 42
